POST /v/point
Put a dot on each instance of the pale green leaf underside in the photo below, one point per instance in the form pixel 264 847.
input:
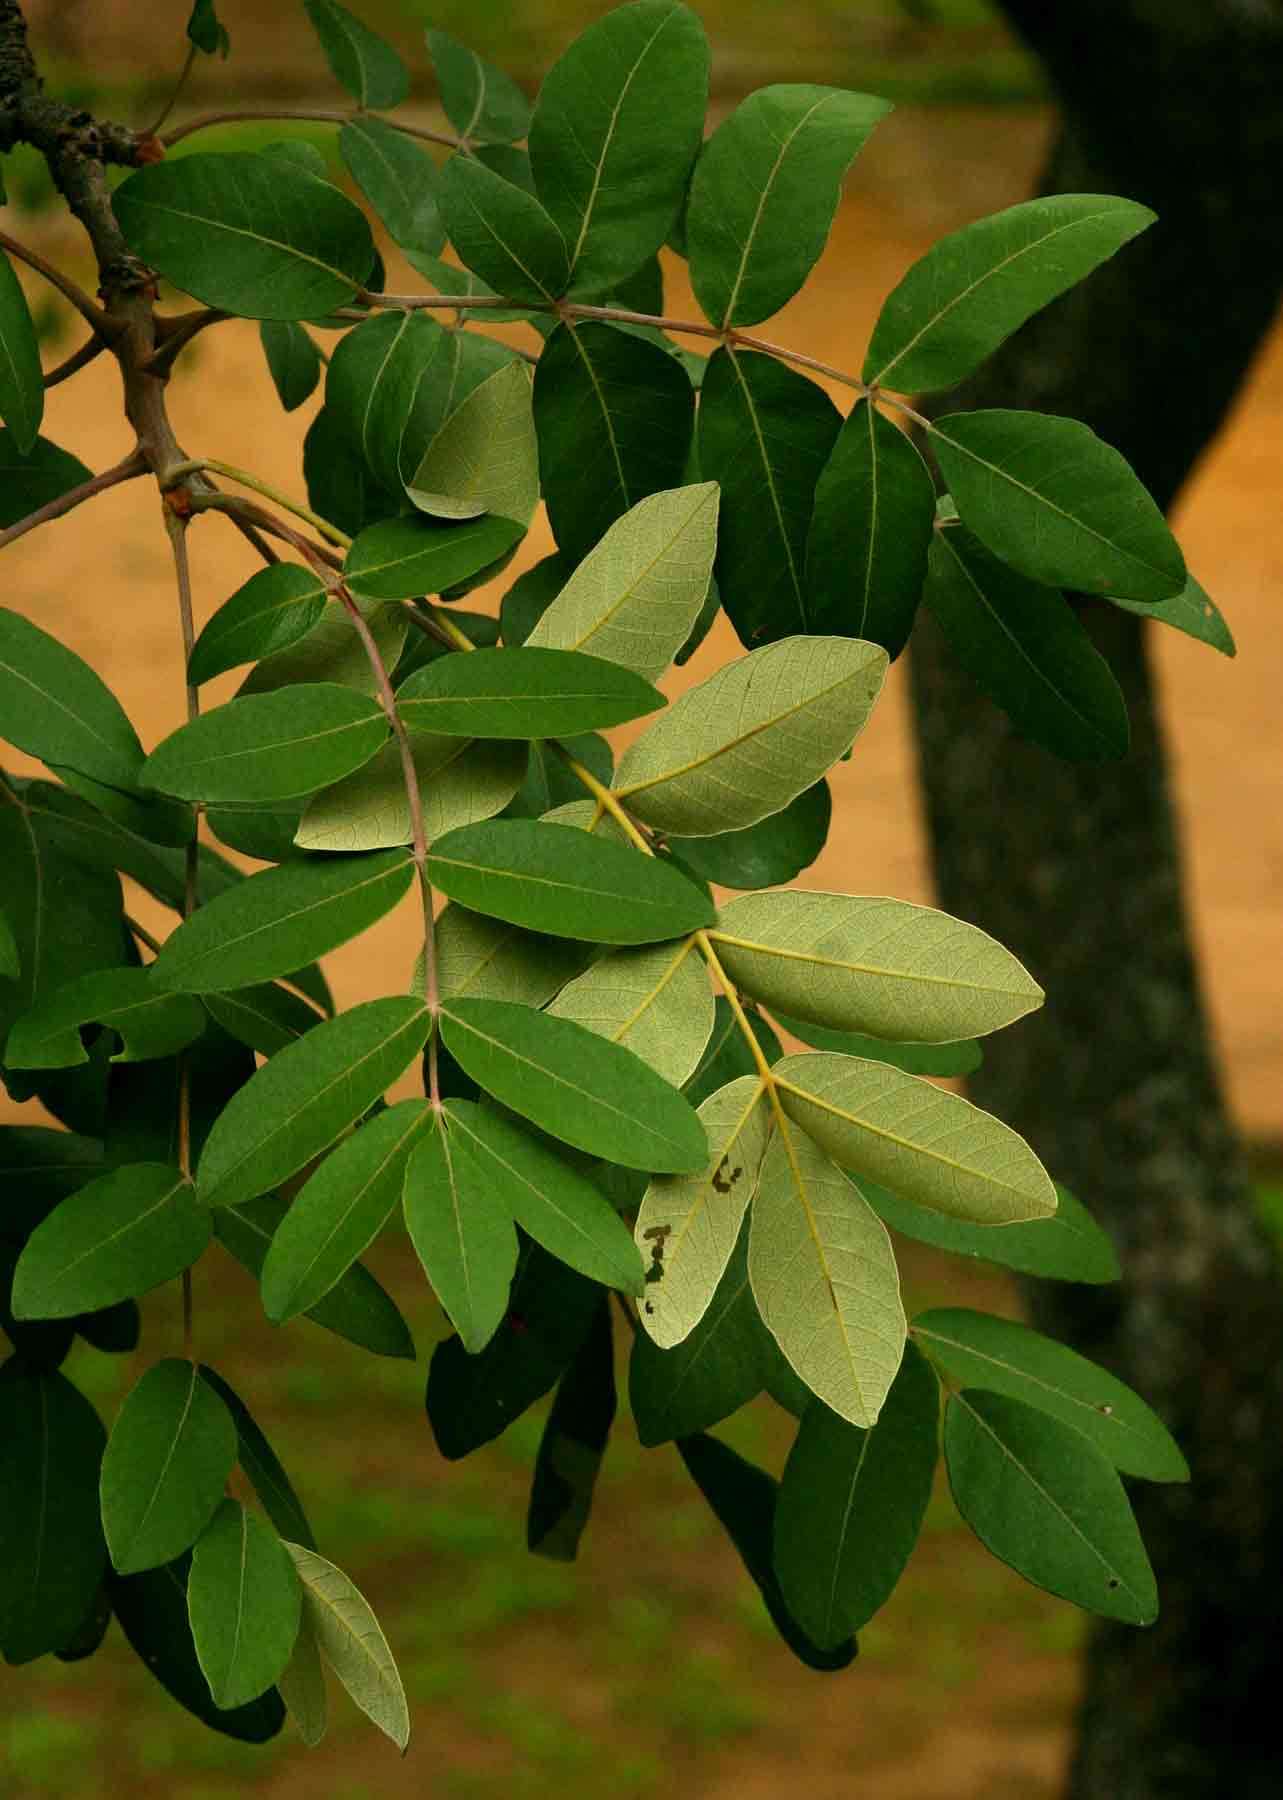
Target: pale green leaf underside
pixel 488 959
pixel 485 458
pixel 353 1643
pixel 461 782
pixel 655 1001
pixel 302 1686
pixel 332 651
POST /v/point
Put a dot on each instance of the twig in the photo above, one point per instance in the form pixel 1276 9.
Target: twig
pixel 177 331
pixel 87 308
pixel 133 465
pixel 78 360
pixel 154 128
pixel 251 114
pixel 198 465
pixel 247 516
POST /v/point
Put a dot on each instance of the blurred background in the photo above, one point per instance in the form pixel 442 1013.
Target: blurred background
pixel 650 1664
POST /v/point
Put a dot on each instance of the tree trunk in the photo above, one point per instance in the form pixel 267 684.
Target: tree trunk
pixel 1077 869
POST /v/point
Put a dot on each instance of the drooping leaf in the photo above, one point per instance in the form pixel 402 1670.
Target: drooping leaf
pixel 485 458
pixel 262 1465
pixel 573 1445
pixel 480 101
pixel 269 746
pixel 502 232
pixel 1192 611
pixel 634 598
pixel 687 1225
pixel 1003 1357
pixel 1052 499
pixel 297 1104
pixel 974 287
pixel 751 738
pixel 372 383
pixel 654 1001
pixel 150 1022
pixel 866 555
pixel 398 179
pixel 30 481
pixel 462 1233
pixel 272 610
pixel 1068 1246
pixel 340 1210
pixel 280 919
pixel 301 1684
pixel 884 967
pixel 594 1095
pixel 401 558
pixel 743 1499
pixel 765 434
pixel 167 1460
pixel 824 1277
pixel 524 693
pixel 255 235
pixel 54 706
pixel 22 388
pixel 928 1146
pixel 460 783
pixel 1025 646
pixel 353 1643
pixel 363 63
pixel 333 652
pixel 727 1055
pixel 244 1602
pixel 554 1204
pixel 764 195
pixel 293 361
pixel 52 1553
pixel 1042 1498
pixel 961 1057
pixel 614 417
pixel 851 1504
pixel 266 1016
pixel 495 961
pixel 206 30
pixel 113 1239
pixel 614 133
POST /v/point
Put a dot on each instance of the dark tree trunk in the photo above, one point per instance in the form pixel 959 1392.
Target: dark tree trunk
pixel 1077 868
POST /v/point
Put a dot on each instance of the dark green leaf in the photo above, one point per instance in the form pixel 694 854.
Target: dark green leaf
pixel 502 232
pixel 297 1104
pixel 151 817
pixel 205 30
pixel 573 1445
pixel 960 1058
pixel 10 966
pixel 89 1634
pixel 293 361
pixel 550 783
pixel 1042 1498
pixel 41 1344
pixel 263 1467
pixel 530 596
pixel 480 101
pixel 55 707
pixel 81 835
pixel 363 63
pixel 1026 647
pixel 32 481
pixel 244 1602
pixel 523 693
pixel 398 179
pixel 462 1232
pixel 614 418
pixel 22 388
pixel 264 832
pixel 143 1116
pixel 270 746
pixel 726 1056
pixel 150 1022
pixel 765 433
pixel 1192 611
pixel 115 1330
pixel 38 1167
pixel 167 1460
pixel 374 377
pixel 340 486
pixel 401 558
pixel 255 235
pixel 766 854
pixel 265 1016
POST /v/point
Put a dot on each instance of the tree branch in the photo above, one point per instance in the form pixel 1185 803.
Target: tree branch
pixel 133 465
pixel 87 308
pixel 78 360
pixel 250 114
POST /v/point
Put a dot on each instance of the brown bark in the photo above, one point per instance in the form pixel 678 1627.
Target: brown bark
pixel 1077 868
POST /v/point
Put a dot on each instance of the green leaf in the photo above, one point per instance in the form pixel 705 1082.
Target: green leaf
pixel 31 480
pixel 688 1225
pixel 1025 646
pixel 244 1601
pixel 270 746
pixel 1003 1357
pixel 167 1460
pixel 462 1232
pixel 884 967
pixel 297 1104
pixel 340 486
pixel 150 1022
pixel 765 433
pixel 467 359
pixel 398 179
pixel 262 1465
pixel 866 555
pixel 353 1643
pixel 265 1017
pixel 293 361
pixel 152 1609
pixel 766 854
pixel 851 1505
pixel 205 30
pixel 545 879
pixel 116 1238
pixel 493 961
pixel 824 1278
pixel 614 417
pixel 333 652
pixel 460 783
pixel 615 130
pixel 401 558
pixel 634 598
pixel 472 1399
pixel 480 101
pixel 280 919
pixel 524 693
pixel 765 192
pixel 502 232
pixel 274 609
pixel 594 1095
pixel 485 458
pixel 22 387
pixel 255 235
pixel 1192 611
pixel 302 1687
pixel 55 707
pixel 929 1146
pixel 962 1057
pixel 751 738
pixel 264 832
pixel 1061 506
pixel 654 1001
pixel 363 63
pixel 357 1309
pixel 550 783
pixel 727 1055
pixel 51 1547
pixel 743 1499
pixel 10 964
pixel 552 1202
pixel 373 380
pixel 1042 1498
pixel 1068 1246
pixel 529 598
pixel 40 1166
pixel 573 1445
pixel 975 287
pixel 340 1210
